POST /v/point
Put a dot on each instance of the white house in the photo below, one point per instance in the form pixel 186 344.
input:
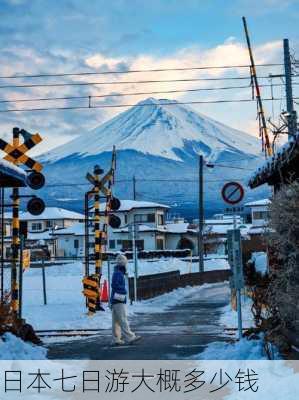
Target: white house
pixel 70 241
pixel 149 219
pixel 41 227
pixel 52 218
pixel 259 211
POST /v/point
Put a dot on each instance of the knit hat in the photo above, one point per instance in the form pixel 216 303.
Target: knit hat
pixel 121 260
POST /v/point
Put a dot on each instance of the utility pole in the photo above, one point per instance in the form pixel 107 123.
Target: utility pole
pixel 134 187
pixel 200 216
pixel 292 115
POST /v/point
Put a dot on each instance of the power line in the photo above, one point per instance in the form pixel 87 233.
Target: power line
pixel 91 107
pixel 137 180
pixel 139 93
pixel 47 75
pixel 33 85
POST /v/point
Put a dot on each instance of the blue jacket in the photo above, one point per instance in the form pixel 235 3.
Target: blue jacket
pixel 118 284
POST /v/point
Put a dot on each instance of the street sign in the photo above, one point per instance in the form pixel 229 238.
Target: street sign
pixel 235 257
pixel 232 192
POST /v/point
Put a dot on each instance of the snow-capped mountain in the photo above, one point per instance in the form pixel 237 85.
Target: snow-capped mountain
pixel 168 130
pixel 158 141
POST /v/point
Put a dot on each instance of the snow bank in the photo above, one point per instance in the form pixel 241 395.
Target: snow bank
pixel 240 350
pixel 14 348
pixel 229 317
pixel 260 262
pixel 185 266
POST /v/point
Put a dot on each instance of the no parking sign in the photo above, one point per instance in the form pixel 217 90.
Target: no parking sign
pixel 232 192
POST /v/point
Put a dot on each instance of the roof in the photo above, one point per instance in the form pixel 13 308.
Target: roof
pixel 46 235
pixel 52 213
pixel 11 175
pixel 257 203
pixel 128 205
pixel 77 229
pixel 282 163
pixel 181 227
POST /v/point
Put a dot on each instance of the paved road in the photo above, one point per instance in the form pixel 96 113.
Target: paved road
pixel 179 332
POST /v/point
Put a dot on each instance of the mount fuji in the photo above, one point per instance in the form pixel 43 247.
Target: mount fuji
pixel 158 142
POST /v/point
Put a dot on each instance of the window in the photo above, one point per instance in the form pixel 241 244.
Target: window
pixel 76 243
pixel 36 226
pixel 126 245
pixel 161 219
pixel 140 244
pixel 260 215
pixel 112 244
pixel 49 224
pixel 160 244
pixel 119 242
pixel 126 219
pixel 144 218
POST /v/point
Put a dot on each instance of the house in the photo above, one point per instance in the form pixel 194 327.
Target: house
pixel 11 175
pixel 41 228
pixel 149 219
pixel 52 218
pixel 282 168
pixel 259 213
pixel 70 241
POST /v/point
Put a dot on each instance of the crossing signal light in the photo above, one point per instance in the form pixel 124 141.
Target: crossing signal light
pixel 36 206
pixel 114 221
pixel 35 180
pixel 98 170
pixel 114 203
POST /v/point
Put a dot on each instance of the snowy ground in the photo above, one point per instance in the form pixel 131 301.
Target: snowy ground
pixel 66 304
pixel 237 350
pixel 13 348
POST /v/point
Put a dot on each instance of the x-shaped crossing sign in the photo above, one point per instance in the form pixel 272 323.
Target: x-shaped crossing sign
pixel 100 183
pixel 16 154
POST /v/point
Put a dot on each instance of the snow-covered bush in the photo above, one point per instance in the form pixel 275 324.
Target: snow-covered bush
pixel 282 295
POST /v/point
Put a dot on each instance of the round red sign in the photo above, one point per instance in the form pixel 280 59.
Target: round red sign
pixel 232 192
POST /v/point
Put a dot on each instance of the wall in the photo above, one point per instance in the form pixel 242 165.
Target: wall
pixel 154 285
pixel 65 245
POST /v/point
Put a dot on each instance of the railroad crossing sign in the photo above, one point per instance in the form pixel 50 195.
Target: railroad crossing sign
pixel 232 192
pixel 15 153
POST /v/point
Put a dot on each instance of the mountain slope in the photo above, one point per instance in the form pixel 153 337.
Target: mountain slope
pixel 172 131
pixel 159 145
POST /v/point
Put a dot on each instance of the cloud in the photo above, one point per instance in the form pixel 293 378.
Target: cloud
pixel 59 126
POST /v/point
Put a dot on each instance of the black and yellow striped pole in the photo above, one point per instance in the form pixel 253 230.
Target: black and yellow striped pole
pixel 15 153
pixel 15 239
pixel 91 283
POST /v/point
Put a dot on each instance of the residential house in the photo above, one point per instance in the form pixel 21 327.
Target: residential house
pixel 149 221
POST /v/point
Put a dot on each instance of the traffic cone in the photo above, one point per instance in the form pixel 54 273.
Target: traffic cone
pixel 104 292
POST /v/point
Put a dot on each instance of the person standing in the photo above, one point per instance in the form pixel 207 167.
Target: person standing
pixel 121 331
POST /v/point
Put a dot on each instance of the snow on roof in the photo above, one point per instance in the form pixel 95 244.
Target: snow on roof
pixel 128 205
pixel 47 235
pixel 52 213
pixel 181 227
pixel 283 156
pixel 76 229
pixel 12 170
pixel 262 202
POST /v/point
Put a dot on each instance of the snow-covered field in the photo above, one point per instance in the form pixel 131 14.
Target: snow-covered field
pixel 65 307
pixel 13 348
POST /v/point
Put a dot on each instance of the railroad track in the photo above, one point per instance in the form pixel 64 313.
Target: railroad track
pixel 103 332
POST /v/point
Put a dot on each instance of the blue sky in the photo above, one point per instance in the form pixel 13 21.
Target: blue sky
pixel 96 35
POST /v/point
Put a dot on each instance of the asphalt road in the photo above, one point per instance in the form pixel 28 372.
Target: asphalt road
pixel 180 332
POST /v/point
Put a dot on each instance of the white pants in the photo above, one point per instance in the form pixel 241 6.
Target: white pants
pixel 120 326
